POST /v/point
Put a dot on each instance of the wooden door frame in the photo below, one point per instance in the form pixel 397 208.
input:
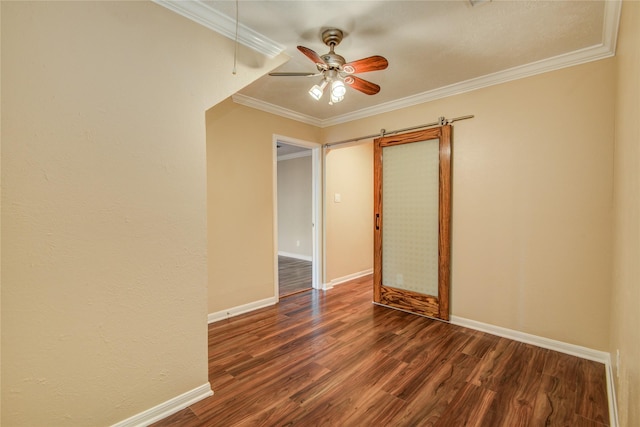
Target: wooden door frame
pixel 430 306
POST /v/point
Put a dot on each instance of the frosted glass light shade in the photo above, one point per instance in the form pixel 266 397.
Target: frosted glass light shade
pixel 317 91
pixel 338 89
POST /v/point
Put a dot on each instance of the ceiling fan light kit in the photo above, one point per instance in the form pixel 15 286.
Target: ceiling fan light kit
pixel 335 70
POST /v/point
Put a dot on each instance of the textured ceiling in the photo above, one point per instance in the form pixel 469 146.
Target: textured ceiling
pixel 430 45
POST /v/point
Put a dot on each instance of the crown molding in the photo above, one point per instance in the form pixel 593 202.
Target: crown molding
pixel 603 50
pixel 556 63
pixel 248 101
pixel 205 15
pixel 611 23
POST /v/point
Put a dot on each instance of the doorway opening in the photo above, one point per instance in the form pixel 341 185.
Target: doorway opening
pixel 297 215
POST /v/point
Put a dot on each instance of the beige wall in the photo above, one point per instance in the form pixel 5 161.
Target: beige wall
pixel 625 317
pixel 349 235
pixel 104 257
pixel 295 234
pixel 532 189
pixel 241 203
pixel 0 225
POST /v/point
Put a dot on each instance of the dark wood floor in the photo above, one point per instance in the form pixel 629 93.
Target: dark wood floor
pixel 294 275
pixel 334 359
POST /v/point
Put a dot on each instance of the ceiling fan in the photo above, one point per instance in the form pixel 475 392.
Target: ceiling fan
pixel 336 71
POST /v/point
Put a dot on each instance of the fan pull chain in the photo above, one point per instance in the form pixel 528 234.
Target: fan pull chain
pixel 235 50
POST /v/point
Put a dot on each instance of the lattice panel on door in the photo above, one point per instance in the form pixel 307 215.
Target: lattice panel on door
pixel 410 216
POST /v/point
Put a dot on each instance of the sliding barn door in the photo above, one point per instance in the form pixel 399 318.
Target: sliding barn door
pixel 412 178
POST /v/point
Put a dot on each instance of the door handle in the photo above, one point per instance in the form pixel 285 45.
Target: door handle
pixel 377 221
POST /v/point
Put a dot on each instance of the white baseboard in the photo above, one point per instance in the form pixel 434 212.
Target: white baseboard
pixel 346 278
pixel 241 309
pixel 562 347
pixel 167 408
pixel 296 256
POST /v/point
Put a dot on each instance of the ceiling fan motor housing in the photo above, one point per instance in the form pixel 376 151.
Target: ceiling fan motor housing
pixel 333 60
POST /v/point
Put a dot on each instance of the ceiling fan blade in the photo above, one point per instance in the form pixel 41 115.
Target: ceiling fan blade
pixel 313 56
pixel 362 85
pixel 289 74
pixel 372 63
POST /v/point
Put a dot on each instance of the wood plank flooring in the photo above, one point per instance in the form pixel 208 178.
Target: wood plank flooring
pixel 294 275
pixel 334 359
